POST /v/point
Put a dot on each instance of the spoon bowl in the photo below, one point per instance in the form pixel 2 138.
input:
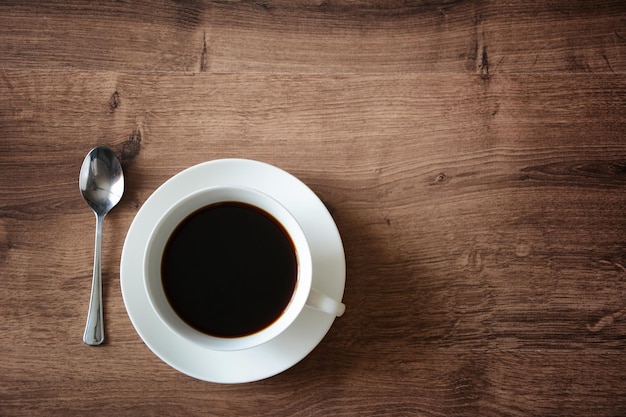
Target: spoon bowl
pixel 101 183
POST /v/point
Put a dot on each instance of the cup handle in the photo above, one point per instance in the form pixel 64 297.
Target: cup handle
pixel 324 303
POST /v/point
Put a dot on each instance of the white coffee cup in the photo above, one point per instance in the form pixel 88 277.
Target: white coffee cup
pixel 304 295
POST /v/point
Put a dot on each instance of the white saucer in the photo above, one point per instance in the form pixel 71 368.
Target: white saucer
pixel 293 344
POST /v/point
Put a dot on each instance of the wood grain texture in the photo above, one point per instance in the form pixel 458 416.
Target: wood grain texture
pixel 471 153
pixel 312 36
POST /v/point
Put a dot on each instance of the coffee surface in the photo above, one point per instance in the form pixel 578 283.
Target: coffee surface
pixel 229 269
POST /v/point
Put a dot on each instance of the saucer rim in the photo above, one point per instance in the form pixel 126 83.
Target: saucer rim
pixel 320 228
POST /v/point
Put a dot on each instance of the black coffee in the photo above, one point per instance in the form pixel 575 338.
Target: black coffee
pixel 229 269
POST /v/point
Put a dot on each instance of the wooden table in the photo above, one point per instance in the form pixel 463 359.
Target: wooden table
pixel 472 154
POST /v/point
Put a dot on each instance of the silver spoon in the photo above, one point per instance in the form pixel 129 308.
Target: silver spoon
pixel 101 183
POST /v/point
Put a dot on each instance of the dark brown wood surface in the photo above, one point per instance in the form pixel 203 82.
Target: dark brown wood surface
pixel 472 154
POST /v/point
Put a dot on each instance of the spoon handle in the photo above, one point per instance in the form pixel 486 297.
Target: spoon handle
pixel 94 330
